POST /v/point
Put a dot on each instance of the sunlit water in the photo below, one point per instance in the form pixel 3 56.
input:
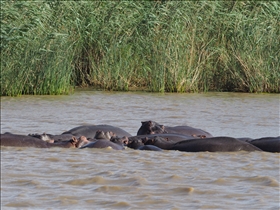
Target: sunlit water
pixel 59 178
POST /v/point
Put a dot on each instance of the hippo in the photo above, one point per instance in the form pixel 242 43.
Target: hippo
pixel 16 140
pixel 103 144
pixel 89 131
pixel 119 140
pixel 134 143
pixel 81 141
pixel 99 135
pixel 176 137
pixel 114 142
pixel 268 144
pixel 160 142
pixel 50 137
pixel 151 127
pixel 149 147
pixel 104 135
pixel 72 143
pixel 213 144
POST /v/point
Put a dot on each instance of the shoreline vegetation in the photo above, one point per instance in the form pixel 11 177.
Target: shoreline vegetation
pixel 51 47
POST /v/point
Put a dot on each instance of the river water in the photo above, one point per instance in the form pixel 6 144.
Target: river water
pixel 59 178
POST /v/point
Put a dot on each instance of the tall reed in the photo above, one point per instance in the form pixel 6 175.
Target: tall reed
pixel 176 46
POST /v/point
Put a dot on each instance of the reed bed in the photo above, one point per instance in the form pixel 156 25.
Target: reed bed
pixel 50 47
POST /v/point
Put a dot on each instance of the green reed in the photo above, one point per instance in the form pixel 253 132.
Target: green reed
pixel 50 47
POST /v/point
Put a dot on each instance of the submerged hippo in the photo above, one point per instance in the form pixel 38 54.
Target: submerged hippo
pixel 16 140
pixel 214 144
pixel 81 141
pixel 134 143
pixel 137 143
pixel 151 127
pixel 158 141
pixel 104 135
pixel 50 137
pixel 149 147
pixel 268 144
pixel 119 140
pixel 89 131
pixel 103 144
pixel 114 142
pixel 175 137
pixel 99 135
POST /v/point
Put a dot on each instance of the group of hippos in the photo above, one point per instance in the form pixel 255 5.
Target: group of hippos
pixel 150 136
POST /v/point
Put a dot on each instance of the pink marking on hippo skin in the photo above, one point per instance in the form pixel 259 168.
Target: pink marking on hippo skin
pixel 81 141
pixel 51 141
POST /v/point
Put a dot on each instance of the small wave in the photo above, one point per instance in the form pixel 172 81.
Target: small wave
pixel 134 181
pixel 67 200
pixel 220 181
pixel 263 180
pixel 173 177
pixel 93 180
pixel 30 183
pixel 183 190
pixel 52 159
pixel 111 189
pixel 119 204
pixel 20 204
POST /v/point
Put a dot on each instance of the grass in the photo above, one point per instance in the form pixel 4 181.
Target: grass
pixel 49 47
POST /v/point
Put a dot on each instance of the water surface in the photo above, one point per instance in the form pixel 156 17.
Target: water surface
pixel 58 178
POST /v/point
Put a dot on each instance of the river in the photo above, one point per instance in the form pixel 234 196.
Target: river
pixel 59 178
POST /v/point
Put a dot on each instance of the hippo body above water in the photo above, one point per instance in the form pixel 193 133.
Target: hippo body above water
pixel 16 140
pixel 268 144
pixel 151 127
pixel 214 144
pixel 89 131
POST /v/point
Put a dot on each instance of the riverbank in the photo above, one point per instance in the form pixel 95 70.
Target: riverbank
pixel 157 46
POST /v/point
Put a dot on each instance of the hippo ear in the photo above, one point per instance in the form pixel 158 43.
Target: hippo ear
pixel 125 142
pixel 82 138
pixel 74 139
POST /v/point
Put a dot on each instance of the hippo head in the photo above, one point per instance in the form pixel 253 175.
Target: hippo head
pixel 81 141
pixel 73 142
pixel 104 135
pixel 158 141
pixel 149 140
pixel 150 127
pixel 135 143
pixel 119 140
